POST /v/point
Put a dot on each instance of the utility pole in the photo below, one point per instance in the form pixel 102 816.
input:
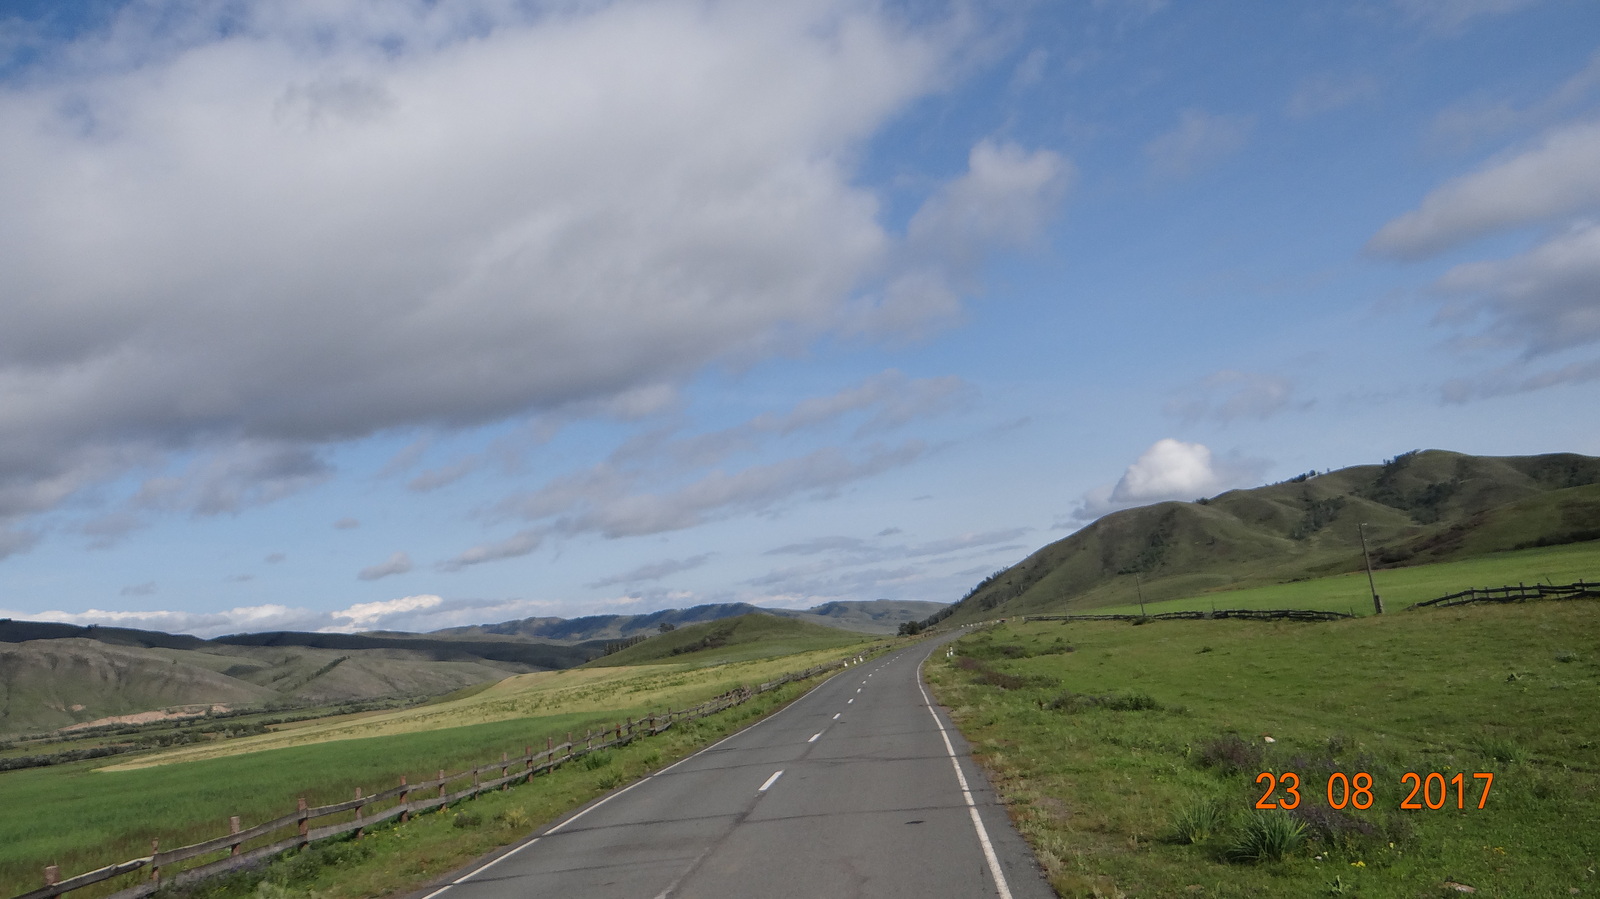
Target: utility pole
pixel 1140 586
pixel 1377 602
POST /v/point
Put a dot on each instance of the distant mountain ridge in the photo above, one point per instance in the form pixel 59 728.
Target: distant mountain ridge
pixel 1421 506
pixel 54 675
pixel 879 616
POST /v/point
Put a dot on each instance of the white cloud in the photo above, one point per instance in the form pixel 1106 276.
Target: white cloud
pixel 1006 196
pixel 1170 470
pixel 399 563
pixel 241 619
pixel 1556 178
pixel 1199 141
pixel 491 212
pixel 369 614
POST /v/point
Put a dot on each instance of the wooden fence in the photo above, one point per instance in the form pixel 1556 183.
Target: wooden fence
pixel 400 802
pixel 1252 614
pixel 1519 593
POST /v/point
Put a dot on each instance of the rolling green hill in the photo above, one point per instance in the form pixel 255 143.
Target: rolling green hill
pixel 745 637
pixel 877 616
pixel 1417 507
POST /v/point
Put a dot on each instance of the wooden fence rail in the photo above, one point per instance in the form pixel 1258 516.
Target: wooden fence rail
pixel 437 792
pixel 1252 614
pixel 1519 593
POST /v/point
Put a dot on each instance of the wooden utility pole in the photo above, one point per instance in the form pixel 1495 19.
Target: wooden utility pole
pixel 1377 602
pixel 1140 586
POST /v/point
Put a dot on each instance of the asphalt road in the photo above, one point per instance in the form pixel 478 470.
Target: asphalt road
pixel 859 788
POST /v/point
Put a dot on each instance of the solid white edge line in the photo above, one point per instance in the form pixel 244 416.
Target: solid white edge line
pixel 972 807
pixel 770 781
pixel 603 800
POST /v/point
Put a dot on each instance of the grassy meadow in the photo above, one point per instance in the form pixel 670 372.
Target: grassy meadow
pixel 1130 753
pixel 109 813
pixel 1399 587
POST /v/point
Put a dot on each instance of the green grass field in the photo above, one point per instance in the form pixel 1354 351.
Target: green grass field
pixel 101 813
pixel 1399 587
pixel 1130 753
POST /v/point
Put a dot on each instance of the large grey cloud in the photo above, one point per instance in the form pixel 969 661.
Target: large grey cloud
pixel 302 224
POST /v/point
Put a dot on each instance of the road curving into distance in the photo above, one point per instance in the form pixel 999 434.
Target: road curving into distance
pixel 859 788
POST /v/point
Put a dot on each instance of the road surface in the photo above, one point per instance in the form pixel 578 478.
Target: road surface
pixel 859 788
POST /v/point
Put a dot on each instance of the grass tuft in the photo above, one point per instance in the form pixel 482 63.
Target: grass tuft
pixel 1135 701
pixel 1199 821
pixel 1500 749
pixel 1266 837
pixel 513 819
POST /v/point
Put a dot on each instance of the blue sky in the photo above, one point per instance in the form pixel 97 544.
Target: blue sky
pixel 358 315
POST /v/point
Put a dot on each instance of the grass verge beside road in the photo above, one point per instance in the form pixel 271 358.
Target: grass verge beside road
pixel 1130 754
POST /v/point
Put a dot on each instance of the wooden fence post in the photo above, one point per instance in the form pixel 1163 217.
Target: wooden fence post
pixel 359 828
pixel 233 830
pixel 504 764
pixel 155 869
pixel 305 822
pixel 52 875
pixel 405 810
pixel 527 756
pixel 441 787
